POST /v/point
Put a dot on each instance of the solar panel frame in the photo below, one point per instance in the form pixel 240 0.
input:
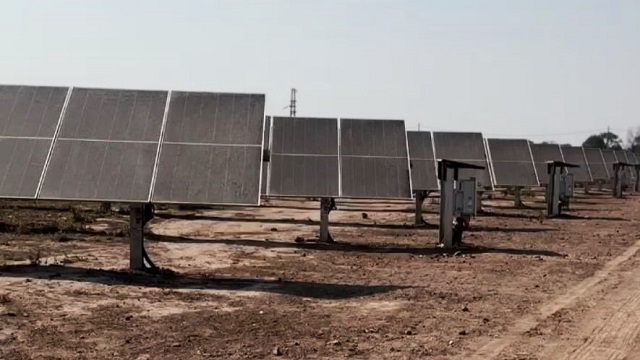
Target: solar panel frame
pixel 597 164
pixel 249 138
pixel 385 151
pixel 19 134
pixel 305 157
pixel 610 158
pixel 93 146
pixel 506 167
pixel 458 146
pixel 424 167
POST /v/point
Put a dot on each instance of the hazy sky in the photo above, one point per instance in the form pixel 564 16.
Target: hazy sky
pixel 556 70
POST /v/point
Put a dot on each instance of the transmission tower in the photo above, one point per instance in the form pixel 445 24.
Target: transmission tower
pixel 292 106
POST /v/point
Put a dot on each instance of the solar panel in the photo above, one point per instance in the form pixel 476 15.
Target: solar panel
pixel 543 153
pixel 423 161
pixel 609 159
pixel 596 163
pixel 211 152
pixel 575 155
pixel 304 159
pixel 266 140
pixel 29 116
pixel 373 159
pixel 106 147
pixel 631 159
pixel 464 147
pixel 512 162
pixel 627 174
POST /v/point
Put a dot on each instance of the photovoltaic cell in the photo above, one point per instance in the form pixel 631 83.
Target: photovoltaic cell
pixel 512 162
pixel 373 159
pixel 575 155
pixel 107 146
pixel 464 147
pixel 596 163
pixel 211 152
pixel 100 170
pixel 423 162
pixel 117 115
pixel 543 153
pixel 304 158
pixel 30 111
pixel 29 116
pixel 206 174
pixel 21 164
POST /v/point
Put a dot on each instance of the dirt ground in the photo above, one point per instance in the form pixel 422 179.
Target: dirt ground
pixel 242 287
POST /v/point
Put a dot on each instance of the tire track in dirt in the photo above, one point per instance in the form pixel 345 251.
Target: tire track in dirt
pixel 614 337
pixel 494 348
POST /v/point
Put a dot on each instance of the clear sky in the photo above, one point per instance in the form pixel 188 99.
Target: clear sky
pixel 541 69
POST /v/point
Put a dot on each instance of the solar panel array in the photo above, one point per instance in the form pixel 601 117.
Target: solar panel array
pixel 464 147
pixel 423 161
pixel 610 158
pixel 130 145
pixel 512 162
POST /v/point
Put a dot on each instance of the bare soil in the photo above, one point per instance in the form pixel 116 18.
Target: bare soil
pixel 250 283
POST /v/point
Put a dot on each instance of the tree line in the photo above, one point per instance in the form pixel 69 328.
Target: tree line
pixel 610 140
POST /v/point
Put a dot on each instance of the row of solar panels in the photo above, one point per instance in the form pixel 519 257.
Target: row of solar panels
pixel 59 143
pixel 367 158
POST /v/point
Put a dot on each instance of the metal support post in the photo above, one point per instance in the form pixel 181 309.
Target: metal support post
pixel 136 237
pixel 326 205
pixel 479 202
pixel 139 216
pixel 553 192
pixel 421 196
pixel 517 192
pixel 446 213
pixel 617 181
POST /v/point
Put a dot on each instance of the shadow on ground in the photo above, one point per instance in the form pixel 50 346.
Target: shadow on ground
pixel 197 282
pixel 347 247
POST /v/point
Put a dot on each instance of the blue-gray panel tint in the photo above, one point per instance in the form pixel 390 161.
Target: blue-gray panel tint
pixel 267 146
pixel 420 145
pixel 512 162
pixel 423 164
pixel 596 163
pixel 575 155
pixel 543 153
pixel 305 175
pixel 373 159
pixel 304 158
pixel 99 170
pixel 310 136
pixel 30 111
pixel 208 174
pixel 21 164
pixel 370 177
pixel 423 175
pixel 111 114
pixel 363 137
pixel 215 118
pixel 465 147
